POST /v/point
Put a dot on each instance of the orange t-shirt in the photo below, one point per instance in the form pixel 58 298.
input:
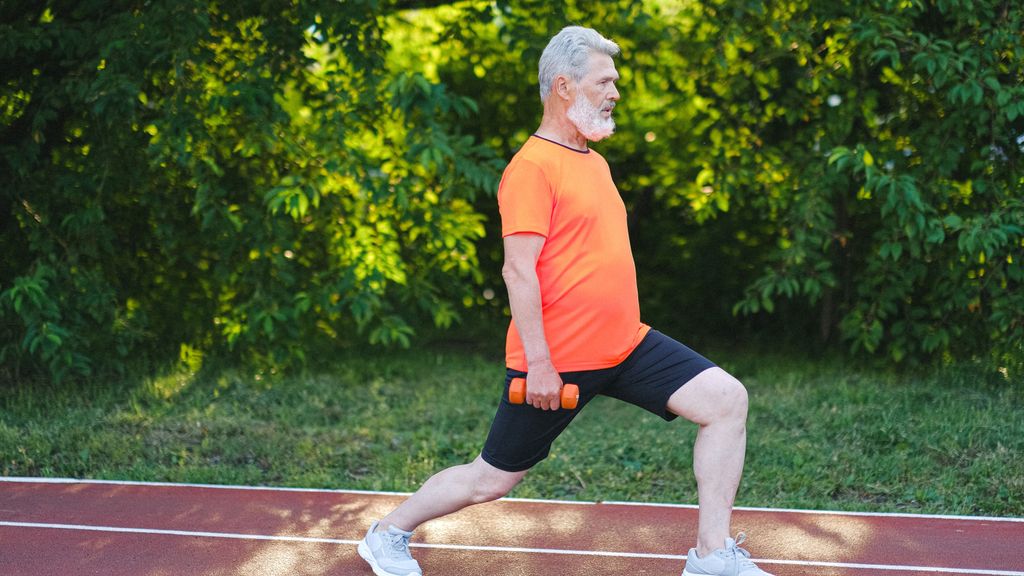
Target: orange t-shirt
pixel 589 298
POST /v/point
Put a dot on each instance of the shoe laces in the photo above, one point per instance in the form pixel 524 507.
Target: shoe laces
pixel 398 545
pixel 741 555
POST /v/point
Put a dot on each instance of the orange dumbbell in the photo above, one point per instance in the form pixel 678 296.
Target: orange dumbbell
pixel 517 393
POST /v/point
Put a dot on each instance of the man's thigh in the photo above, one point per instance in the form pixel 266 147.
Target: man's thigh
pixel 658 368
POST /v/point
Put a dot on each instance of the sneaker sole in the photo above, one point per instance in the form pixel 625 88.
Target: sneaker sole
pixel 365 554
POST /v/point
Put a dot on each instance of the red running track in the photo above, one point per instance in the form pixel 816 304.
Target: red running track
pixel 71 527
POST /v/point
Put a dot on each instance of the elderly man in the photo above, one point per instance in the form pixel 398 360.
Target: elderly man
pixel 576 319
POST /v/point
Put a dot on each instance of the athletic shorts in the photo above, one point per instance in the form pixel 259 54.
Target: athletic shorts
pixel 521 435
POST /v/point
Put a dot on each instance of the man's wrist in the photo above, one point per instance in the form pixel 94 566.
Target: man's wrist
pixel 541 363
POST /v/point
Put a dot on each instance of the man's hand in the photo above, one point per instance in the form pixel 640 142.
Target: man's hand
pixel 543 386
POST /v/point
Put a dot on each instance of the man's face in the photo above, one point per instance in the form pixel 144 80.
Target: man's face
pixel 596 95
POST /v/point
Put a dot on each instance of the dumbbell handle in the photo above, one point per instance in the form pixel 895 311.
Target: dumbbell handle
pixel 570 393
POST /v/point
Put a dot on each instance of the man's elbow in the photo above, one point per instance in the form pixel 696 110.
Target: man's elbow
pixel 513 272
pixel 509 273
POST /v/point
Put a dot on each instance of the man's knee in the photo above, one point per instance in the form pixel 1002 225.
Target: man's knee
pixel 737 397
pixel 492 483
pixel 712 396
pixel 733 393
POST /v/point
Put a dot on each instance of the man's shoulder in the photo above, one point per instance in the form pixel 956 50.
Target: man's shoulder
pixel 529 151
pixel 530 158
pixel 552 157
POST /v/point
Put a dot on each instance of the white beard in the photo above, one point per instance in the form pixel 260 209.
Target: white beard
pixel 587 119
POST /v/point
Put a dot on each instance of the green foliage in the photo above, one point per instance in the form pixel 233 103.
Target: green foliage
pixel 815 160
pixel 44 336
pixel 248 179
pixel 270 181
pixel 883 140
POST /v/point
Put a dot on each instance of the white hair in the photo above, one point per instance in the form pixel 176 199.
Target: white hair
pixel 567 54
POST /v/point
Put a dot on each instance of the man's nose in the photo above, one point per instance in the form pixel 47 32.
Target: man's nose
pixel 614 94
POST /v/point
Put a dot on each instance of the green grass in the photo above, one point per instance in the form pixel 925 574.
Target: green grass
pixel 821 434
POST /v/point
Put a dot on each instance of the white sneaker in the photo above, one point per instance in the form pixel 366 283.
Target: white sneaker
pixel 729 561
pixel 388 552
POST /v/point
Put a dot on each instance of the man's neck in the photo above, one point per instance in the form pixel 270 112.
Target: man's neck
pixel 558 128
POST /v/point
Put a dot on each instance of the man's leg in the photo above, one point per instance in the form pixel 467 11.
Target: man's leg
pixel 519 438
pixel 386 545
pixel 717 402
pixel 451 490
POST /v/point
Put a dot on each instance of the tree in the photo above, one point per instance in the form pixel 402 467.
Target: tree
pixel 857 165
pixel 262 179
pixel 908 238
pixel 247 179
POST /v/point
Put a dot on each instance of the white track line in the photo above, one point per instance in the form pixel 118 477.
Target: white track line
pixel 835 512
pixel 11 479
pixel 264 537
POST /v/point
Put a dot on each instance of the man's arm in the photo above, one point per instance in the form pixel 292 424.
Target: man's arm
pixel 520 273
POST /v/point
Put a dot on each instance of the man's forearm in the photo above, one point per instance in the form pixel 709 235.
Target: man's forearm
pixel 527 313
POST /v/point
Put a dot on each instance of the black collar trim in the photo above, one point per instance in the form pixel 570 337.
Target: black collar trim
pixel 587 151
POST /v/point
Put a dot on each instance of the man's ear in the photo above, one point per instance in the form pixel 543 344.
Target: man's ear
pixel 562 87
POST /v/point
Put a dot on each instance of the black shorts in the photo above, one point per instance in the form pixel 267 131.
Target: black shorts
pixel 521 435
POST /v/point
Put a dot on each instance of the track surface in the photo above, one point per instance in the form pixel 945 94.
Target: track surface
pixel 72 527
